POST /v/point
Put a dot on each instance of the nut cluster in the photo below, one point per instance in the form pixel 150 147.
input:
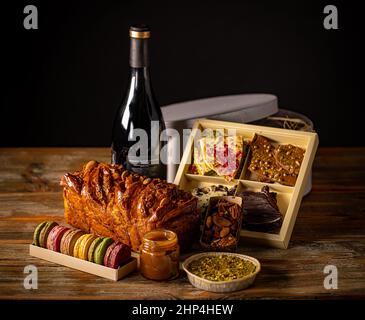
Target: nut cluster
pixel 221 224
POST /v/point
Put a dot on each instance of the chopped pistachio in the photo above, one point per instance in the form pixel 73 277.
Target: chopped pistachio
pixel 221 268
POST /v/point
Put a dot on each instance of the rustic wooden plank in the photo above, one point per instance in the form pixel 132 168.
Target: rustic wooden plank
pixel 339 169
pixel 40 169
pixel 329 230
pixel 286 273
pixel 31 204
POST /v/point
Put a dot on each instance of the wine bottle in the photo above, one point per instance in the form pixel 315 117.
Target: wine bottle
pixel 138 123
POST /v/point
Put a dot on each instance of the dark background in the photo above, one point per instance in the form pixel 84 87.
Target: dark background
pixel 63 82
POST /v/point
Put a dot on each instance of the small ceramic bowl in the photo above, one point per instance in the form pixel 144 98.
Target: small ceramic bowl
pixel 221 286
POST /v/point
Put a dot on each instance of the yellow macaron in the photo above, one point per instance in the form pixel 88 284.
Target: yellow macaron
pixel 82 246
pixel 77 245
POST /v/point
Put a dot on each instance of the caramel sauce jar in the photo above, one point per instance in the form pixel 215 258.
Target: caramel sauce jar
pixel 159 255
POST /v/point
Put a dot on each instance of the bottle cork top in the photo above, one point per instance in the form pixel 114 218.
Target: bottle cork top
pixel 139 31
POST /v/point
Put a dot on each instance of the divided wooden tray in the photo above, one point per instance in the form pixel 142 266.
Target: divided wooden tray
pixel 82 265
pixel 289 198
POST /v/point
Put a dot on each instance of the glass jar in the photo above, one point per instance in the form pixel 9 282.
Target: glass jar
pixel 159 255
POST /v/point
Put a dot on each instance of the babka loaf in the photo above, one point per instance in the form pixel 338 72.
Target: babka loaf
pixel 107 200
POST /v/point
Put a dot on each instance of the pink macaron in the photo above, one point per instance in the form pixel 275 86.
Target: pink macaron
pixel 116 254
pixel 54 238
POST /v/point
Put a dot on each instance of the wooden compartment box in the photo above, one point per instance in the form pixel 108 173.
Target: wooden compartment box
pixel 289 198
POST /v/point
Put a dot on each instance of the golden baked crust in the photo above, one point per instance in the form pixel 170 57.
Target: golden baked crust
pixel 107 200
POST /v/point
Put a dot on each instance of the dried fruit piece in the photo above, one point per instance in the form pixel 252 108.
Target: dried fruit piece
pixel 220 221
pixel 228 241
pixel 234 212
pixel 209 222
pixel 224 232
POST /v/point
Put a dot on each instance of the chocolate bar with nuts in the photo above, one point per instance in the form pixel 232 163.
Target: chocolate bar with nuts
pixel 289 157
pixel 264 164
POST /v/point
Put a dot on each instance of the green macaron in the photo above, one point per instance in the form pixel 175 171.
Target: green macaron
pixel 92 248
pixel 43 235
pixel 37 232
pixel 101 249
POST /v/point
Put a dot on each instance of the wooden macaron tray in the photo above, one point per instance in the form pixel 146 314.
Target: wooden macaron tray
pixel 101 256
pixel 288 197
pixel 83 265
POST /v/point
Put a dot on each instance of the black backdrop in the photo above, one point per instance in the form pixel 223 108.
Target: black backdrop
pixel 63 82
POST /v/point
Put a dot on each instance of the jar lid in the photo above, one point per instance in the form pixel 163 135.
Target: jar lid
pixel 159 239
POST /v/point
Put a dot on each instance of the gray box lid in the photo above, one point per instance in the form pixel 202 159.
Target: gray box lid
pixel 237 108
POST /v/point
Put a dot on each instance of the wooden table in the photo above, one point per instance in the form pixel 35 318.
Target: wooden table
pixel 329 230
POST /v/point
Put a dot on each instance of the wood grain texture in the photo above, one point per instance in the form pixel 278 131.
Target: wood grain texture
pixel 330 229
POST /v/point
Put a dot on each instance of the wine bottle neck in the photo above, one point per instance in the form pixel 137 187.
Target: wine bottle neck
pixel 140 77
pixel 139 56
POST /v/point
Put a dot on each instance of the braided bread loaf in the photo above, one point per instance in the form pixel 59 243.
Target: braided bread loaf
pixel 108 200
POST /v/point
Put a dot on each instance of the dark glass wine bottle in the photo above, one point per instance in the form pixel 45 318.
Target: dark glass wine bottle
pixel 138 124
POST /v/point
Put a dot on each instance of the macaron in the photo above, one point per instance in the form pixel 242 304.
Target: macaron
pixel 94 244
pixel 36 233
pixel 43 235
pixel 68 241
pixel 78 244
pixel 63 246
pixel 54 238
pixel 84 246
pixel 116 254
pixel 101 250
